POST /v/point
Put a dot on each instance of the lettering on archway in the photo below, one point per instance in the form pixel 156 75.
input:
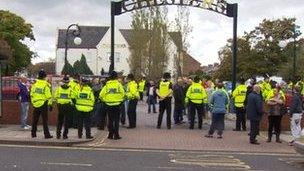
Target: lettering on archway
pixel 219 6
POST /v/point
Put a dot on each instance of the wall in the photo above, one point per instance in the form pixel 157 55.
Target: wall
pixel 121 47
pixel 190 64
pixel 74 55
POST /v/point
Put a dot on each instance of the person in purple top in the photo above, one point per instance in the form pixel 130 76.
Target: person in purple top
pixel 24 98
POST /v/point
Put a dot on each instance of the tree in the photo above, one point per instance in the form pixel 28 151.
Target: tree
pixel 49 68
pixel 14 30
pixel 149 42
pixel 183 27
pixel 81 67
pixel 68 69
pixel 259 52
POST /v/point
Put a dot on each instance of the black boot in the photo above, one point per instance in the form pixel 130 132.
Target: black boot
pixel 269 138
pixel 278 138
pixel 110 136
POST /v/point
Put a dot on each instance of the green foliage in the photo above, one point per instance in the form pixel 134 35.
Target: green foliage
pixel 149 43
pixel 67 69
pixel 259 51
pixel 14 30
pixel 81 67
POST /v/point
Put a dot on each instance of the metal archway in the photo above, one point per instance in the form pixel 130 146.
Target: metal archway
pixel 119 7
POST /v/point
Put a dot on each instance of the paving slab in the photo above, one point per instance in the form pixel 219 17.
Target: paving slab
pixel 179 137
pixel 14 134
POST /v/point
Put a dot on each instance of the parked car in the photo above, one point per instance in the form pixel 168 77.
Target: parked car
pixel 10 88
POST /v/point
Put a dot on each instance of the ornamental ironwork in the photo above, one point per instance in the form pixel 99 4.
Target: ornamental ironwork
pixel 218 6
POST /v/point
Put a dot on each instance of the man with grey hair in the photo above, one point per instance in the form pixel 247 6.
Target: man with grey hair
pixel 296 114
pixel 254 111
pixel 24 98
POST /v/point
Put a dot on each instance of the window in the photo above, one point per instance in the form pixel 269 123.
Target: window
pixel 116 57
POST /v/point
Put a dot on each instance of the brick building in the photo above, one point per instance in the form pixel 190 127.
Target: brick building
pixel 190 64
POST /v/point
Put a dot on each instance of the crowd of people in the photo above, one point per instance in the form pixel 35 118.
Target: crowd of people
pixel 84 102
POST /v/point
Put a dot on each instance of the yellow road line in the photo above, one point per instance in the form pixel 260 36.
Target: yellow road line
pixel 150 150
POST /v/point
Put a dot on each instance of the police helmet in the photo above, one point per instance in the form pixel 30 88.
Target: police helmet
pixel 41 74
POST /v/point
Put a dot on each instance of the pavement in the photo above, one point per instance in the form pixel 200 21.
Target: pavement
pixel 179 137
pixel 14 134
pixel 146 136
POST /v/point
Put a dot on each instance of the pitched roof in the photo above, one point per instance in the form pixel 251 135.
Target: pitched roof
pixel 175 36
pixel 177 39
pixel 127 34
pixel 90 37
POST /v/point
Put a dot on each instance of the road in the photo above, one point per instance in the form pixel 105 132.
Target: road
pixel 86 159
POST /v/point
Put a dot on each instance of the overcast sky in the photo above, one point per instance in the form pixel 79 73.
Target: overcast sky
pixel 210 30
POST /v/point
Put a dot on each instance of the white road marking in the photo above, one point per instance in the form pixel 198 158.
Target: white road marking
pixel 67 164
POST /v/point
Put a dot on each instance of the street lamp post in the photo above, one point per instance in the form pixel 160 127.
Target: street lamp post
pixel 295 35
pixel 77 39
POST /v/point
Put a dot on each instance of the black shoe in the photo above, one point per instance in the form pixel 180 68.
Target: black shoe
pixel 130 127
pixel 158 127
pixel 89 137
pixel 199 127
pixel 117 137
pixel 48 137
pixel 110 136
pixel 191 127
pixel 209 136
pixel 65 137
pixel 236 130
pixel 79 136
pixel 58 136
pixel 169 127
pixel 219 137
pixel 34 135
pixel 255 143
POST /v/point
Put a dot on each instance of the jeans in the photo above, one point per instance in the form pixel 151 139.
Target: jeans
pixel 151 101
pixel 178 115
pixel 295 125
pixel 218 123
pixel 254 130
pixel 24 113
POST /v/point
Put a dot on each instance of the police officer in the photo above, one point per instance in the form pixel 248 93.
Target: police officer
pixel 265 86
pixel 164 93
pixel 239 95
pixel 112 94
pixel 141 87
pixel 196 95
pixel 41 98
pixel 132 96
pixel 84 104
pixel 74 84
pixel 63 96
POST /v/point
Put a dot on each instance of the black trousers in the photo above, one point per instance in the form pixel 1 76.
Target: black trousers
pixel 164 105
pixel 36 114
pixel 84 118
pixel 132 112
pixel 141 95
pixel 64 116
pixel 240 119
pixel 123 113
pixel 274 123
pixel 254 130
pixel 196 108
pixel 113 119
pixel 103 116
pixel 218 123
